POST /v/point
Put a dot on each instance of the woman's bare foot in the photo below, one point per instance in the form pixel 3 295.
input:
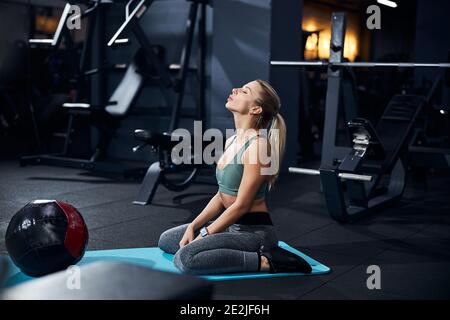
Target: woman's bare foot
pixel 265 266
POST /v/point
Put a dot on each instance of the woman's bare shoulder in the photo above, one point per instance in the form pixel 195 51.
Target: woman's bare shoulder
pixel 257 151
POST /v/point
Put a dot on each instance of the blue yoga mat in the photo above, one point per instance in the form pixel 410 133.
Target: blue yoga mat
pixel 157 259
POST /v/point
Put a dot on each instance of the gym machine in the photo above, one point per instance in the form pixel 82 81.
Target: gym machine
pixel 371 174
pixel 164 171
pixel 106 116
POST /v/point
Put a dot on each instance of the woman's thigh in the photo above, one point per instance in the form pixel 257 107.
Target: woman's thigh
pixel 266 233
pixel 169 240
pixel 243 241
pixel 248 238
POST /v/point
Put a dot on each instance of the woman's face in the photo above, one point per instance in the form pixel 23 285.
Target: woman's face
pixel 242 100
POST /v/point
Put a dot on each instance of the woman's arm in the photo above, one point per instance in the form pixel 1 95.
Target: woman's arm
pixel 252 179
pixel 212 210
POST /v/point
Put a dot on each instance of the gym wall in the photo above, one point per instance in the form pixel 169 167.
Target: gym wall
pixel 432 40
pixel 241 52
pixel 247 35
pixel 287 44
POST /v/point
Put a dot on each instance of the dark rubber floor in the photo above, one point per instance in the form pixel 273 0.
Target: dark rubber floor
pixel 409 242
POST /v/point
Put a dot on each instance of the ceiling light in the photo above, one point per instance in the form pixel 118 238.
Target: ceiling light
pixel 388 3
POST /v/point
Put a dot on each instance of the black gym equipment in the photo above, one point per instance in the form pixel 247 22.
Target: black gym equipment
pixel 112 281
pixel 107 115
pixel 359 64
pixel 430 146
pixel 46 236
pixel 370 175
pixel 163 170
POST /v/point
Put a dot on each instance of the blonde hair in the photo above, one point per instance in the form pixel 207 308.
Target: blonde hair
pixel 272 120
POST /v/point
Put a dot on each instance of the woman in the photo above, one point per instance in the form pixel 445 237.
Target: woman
pixel 242 236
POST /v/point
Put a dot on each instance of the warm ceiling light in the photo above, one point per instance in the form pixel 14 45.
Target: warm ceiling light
pixel 388 3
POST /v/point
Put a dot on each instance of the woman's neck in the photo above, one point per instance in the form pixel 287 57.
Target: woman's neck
pixel 244 129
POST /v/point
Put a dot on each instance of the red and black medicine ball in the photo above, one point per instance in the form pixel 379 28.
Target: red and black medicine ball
pixel 46 236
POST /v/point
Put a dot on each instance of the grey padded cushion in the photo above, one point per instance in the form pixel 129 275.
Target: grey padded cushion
pixel 125 92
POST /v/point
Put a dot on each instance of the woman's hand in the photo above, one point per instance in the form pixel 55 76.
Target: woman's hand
pixel 188 236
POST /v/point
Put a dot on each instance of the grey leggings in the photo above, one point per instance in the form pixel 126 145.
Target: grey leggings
pixel 234 250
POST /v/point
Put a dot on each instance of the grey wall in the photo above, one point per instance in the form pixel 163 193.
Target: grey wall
pixel 286 44
pixel 240 52
pixel 432 30
pixel 432 34
pixel 247 35
pixel 16 16
pixel 396 37
pixel 432 40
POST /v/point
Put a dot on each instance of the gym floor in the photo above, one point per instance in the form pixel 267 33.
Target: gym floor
pixel 409 242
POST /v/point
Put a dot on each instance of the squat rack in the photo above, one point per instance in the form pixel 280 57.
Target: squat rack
pixel 362 187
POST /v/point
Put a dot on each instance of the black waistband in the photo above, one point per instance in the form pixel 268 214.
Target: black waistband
pixel 256 218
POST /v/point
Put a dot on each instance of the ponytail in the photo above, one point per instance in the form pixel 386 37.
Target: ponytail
pixel 272 120
pixel 277 141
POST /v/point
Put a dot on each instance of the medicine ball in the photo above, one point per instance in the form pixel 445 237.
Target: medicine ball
pixel 46 236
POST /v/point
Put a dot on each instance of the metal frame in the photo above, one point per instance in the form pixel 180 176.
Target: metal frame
pixel 426 156
pixel 342 175
pixel 156 172
pixel 132 24
pixel 360 64
pixel 86 164
pixel 60 30
pixel 96 16
pixel 361 196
